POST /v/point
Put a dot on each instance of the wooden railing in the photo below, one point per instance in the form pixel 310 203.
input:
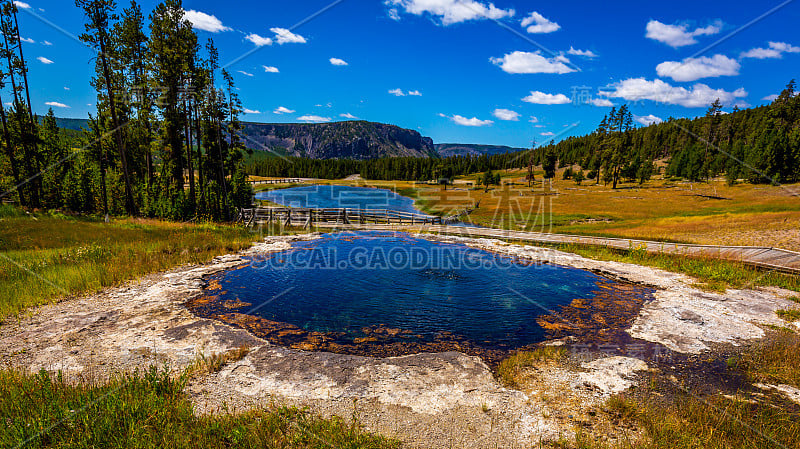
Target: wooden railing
pixel 307 217
pixel 277 181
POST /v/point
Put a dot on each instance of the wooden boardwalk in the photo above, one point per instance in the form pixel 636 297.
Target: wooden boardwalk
pixel 309 217
pixel 773 259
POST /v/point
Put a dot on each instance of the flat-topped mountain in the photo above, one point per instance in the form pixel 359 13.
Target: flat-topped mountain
pixel 340 140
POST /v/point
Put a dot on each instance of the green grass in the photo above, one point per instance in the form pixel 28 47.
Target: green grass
pixel 149 410
pixel 48 257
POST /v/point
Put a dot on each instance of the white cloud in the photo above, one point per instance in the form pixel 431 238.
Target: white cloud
pixel 534 119
pixel 284 36
pixel 679 35
pixel 538 24
pixel 205 22
pixel 244 73
pixel 283 110
pixel 258 40
pixel 270 69
pixel 693 69
pixel 772 97
pixel 601 102
pixel 506 114
pixel 775 50
pixel 314 119
pixel 44 60
pixel 474 121
pixel 66 88
pixel 397 92
pixel 700 95
pixel 56 104
pixel 584 53
pixel 250 111
pixel 526 62
pixel 414 93
pixel 47 43
pixel 348 115
pixel 337 61
pixel 27 40
pixel 648 120
pixel 450 11
pixel 548 134
pixel 394 14
pixel 537 97
pixel 22 5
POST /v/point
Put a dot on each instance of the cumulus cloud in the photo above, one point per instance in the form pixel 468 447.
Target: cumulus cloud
pixel 349 116
pixel 56 104
pixel 548 134
pixel 313 119
pixel 283 110
pixel 537 97
pixel 22 5
pixel 772 97
pixel 648 120
pixel 251 111
pixel 337 61
pixel 47 43
pixel 506 114
pixel 584 53
pixel 449 11
pixel 534 119
pixel 601 102
pixel 539 24
pixel 244 73
pixel 270 69
pixel 679 35
pixel 284 36
pixel 205 22
pixel 463 121
pixel 27 40
pixel 692 69
pixel 259 41
pixel 699 95
pixel 775 50
pixel 44 60
pixel 527 62
pixel 401 93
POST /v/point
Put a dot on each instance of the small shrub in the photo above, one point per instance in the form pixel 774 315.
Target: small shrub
pixel 790 315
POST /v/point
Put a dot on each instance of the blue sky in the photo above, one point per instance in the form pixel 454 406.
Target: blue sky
pixel 464 71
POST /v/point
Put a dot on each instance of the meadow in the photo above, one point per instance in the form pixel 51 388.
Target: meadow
pixel 46 257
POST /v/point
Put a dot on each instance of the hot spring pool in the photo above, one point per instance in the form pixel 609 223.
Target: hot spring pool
pixel 391 294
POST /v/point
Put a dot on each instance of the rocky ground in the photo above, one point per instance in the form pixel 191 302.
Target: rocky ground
pixel 426 400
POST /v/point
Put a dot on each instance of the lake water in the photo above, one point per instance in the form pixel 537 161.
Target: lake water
pixel 332 196
pixel 390 294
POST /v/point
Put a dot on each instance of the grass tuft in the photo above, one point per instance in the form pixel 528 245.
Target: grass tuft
pixel 790 315
pixel 514 366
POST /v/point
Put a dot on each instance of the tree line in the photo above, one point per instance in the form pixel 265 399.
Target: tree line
pixel 165 140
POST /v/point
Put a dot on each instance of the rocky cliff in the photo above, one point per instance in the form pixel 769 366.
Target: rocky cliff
pixel 341 140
